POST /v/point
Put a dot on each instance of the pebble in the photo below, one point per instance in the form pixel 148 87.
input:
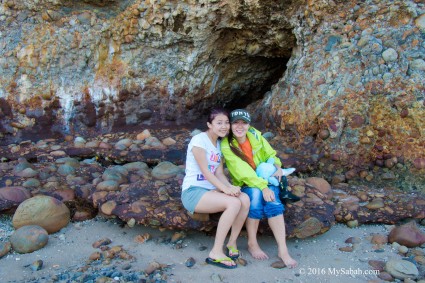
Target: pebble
pixel 389 55
pixel 353 223
pixel 385 276
pixel 353 240
pixel 37 265
pixel 31 182
pixel 377 264
pixel 403 249
pixel 202 248
pixel 66 170
pixel 27 173
pixel 101 242
pixel 395 245
pixel 143 135
pixel 379 239
pixel 241 261
pixel 278 264
pixel 346 249
pixel 418 64
pixel 177 236
pixel 142 238
pixel 190 262
pixel 152 267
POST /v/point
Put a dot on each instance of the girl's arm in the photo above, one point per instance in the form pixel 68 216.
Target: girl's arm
pixel 222 177
pixel 217 181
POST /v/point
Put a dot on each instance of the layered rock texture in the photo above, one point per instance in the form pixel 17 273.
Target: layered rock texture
pixel 115 184
pixel 343 79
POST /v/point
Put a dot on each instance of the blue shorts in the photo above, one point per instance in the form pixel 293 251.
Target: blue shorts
pixel 191 196
pixel 260 208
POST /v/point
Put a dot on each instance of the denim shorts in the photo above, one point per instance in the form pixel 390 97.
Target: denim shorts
pixel 260 208
pixel 191 196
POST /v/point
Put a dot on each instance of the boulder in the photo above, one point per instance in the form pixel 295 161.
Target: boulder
pixel 366 205
pixel 165 170
pixel 28 239
pixel 408 235
pixel 4 248
pixel 11 197
pixel 321 185
pixel 45 211
pixel 401 269
pixel 158 204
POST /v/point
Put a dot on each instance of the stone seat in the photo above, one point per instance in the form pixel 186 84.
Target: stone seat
pixel 199 216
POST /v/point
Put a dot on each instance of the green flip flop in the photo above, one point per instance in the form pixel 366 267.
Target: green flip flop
pixel 234 251
pixel 219 262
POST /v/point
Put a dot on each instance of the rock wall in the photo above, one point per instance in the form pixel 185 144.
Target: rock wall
pixel 345 76
pixel 102 65
pixel 354 85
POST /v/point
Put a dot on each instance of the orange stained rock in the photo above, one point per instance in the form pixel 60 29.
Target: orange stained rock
pixel 98 196
pixel 108 207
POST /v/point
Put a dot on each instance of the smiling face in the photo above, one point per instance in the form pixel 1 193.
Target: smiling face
pixel 220 125
pixel 239 129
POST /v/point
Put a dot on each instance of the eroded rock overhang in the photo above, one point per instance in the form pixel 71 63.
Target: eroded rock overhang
pixel 91 66
pixel 341 81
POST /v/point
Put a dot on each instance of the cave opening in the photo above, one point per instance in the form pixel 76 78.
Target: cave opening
pixel 258 87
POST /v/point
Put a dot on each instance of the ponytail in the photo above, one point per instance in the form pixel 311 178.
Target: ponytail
pixel 236 150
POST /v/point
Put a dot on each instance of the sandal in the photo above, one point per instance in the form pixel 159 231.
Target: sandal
pixel 234 251
pixel 219 262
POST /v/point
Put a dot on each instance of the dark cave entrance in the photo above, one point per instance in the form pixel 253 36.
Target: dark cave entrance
pixel 258 87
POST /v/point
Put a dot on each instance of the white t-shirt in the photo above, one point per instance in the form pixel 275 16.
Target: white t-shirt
pixel 194 176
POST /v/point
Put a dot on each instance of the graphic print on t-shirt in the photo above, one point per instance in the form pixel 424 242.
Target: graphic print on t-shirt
pixel 215 158
pixel 201 177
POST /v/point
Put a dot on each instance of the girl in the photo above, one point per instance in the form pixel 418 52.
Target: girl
pixel 243 150
pixel 206 189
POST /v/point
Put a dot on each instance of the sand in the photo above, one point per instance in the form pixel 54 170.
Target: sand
pixel 320 259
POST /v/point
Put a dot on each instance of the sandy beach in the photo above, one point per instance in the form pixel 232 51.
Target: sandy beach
pixel 320 259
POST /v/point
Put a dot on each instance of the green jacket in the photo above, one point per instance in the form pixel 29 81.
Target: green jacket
pixel 240 171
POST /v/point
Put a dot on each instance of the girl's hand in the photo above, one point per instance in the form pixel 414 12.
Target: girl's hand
pixel 232 190
pixel 279 173
pixel 268 195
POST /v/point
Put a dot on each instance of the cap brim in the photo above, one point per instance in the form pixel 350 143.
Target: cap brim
pixel 241 118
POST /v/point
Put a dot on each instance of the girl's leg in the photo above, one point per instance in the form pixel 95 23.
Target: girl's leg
pixel 239 221
pixel 212 202
pixel 277 224
pixel 256 212
pixel 253 246
pixel 274 213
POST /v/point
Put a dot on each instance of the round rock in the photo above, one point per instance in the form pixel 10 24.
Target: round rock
pixel 165 170
pixel 45 211
pixel 29 238
pixel 401 269
pixel 389 55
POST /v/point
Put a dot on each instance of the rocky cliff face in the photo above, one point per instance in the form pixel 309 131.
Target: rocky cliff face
pixel 343 76
pixel 104 64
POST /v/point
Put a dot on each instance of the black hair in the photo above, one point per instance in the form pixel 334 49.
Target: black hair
pixel 236 150
pixel 214 112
